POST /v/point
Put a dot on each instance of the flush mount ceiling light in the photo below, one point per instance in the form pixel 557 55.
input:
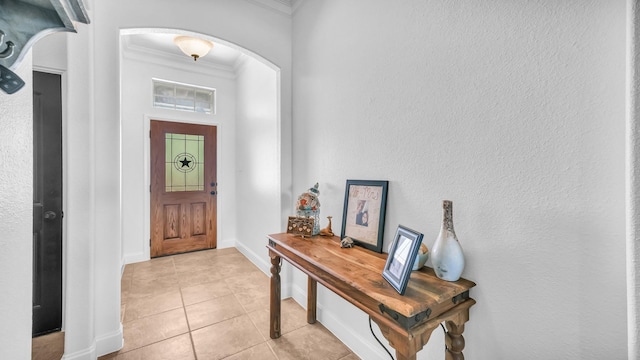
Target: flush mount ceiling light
pixel 193 47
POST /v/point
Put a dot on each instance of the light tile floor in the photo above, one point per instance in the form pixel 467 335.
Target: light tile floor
pixel 211 305
pixel 48 347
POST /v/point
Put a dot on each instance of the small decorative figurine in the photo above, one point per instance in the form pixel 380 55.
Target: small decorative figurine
pixel 308 200
pixel 300 225
pixel 308 205
pixel 346 243
pixel 327 231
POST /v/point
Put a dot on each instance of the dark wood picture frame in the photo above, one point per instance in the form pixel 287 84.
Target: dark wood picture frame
pixel 402 254
pixel 365 203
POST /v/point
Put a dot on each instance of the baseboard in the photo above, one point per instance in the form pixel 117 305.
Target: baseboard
pixel 135 258
pixel 102 346
pixel 365 347
pixel 85 354
pixel 265 267
pixel 258 261
pixel 140 256
pixel 110 342
pixel 223 244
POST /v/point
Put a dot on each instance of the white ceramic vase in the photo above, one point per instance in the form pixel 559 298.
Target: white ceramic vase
pixel 446 254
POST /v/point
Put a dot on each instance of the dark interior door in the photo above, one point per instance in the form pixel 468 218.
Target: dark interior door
pixel 47 203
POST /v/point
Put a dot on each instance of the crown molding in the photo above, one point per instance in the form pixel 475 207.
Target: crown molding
pixel 295 4
pixel 146 55
pixel 280 6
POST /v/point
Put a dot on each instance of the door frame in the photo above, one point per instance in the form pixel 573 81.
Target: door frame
pixel 65 177
pixel 147 173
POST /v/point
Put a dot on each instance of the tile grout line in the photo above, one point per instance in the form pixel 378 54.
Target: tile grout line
pixel 266 342
pixel 159 341
pixel 235 291
pixel 246 313
pixel 184 310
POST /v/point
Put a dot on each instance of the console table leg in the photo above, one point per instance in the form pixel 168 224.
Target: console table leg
pixel 405 344
pixel 454 341
pixel 402 357
pixel 312 291
pixel 274 304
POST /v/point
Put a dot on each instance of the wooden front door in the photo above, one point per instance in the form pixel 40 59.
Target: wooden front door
pixel 183 187
pixel 47 203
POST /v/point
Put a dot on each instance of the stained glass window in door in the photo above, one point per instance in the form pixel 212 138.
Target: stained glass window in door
pixel 184 162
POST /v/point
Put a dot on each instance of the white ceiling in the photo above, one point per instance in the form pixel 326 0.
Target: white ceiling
pixel 162 44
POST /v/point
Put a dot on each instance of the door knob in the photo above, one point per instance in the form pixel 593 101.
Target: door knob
pixel 213 184
pixel 213 193
pixel 50 215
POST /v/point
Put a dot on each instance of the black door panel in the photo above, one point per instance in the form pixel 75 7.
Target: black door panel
pixel 47 203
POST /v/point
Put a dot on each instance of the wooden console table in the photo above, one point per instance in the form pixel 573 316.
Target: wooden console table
pixel 356 275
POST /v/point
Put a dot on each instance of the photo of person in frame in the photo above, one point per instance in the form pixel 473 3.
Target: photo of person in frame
pixel 362 213
pixel 364 219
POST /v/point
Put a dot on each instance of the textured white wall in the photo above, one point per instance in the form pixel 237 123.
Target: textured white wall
pixel 79 250
pixel 94 245
pixel 513 110
pixel 257 159
pixel 93 228
pixel 50 53
pixel 16 208
pixel 67 54
pixel 93 211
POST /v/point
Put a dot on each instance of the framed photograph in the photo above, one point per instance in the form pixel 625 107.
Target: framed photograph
pixel 365 203
pixel 402 254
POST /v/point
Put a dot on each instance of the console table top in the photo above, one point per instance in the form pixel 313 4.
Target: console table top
pixel 357 273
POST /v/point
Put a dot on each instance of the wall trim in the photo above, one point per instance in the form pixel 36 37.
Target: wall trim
pixel 278 6
pixel 134 258
pixel 111 342
pixel 144 55
pixel 632 178
pixel 265 267
pixel 85 354
pixel 227 243
pixel 259 261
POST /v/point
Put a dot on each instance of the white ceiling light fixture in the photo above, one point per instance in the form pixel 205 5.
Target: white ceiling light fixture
pixel 193 47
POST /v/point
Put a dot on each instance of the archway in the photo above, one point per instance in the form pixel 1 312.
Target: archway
pixel 247 116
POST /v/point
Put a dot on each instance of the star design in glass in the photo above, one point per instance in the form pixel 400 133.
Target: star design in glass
pixel 185 162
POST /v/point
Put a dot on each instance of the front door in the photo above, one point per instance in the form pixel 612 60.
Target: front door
pixel 183 187
pixel 47 203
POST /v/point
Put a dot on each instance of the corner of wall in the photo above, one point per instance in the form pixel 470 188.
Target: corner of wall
pixel 226 243
pixel 109 343
pixel 632 206
pixel 134 258
pixel 89 353
pixel 253 257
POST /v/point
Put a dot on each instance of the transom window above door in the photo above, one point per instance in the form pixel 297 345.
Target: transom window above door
pixel 177 96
